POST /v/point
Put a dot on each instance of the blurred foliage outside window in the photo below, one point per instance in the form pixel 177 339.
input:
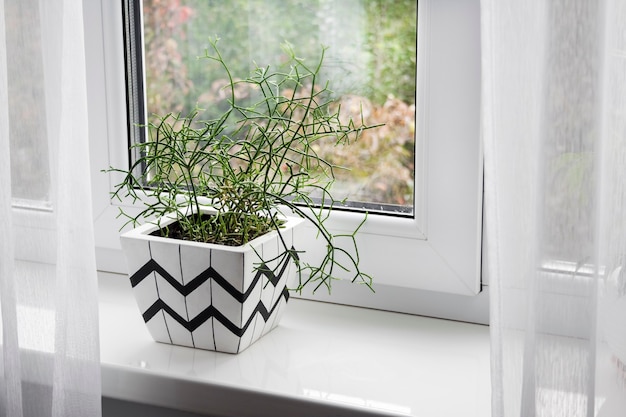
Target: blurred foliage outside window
pixel 370 62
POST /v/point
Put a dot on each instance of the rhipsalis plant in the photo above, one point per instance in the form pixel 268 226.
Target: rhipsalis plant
pixel 231 179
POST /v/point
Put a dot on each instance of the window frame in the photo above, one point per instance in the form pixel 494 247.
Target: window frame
pixel 433 261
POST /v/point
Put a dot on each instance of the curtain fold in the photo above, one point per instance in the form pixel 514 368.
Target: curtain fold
pixel 50 364
pixel 554 130
pixel 10 384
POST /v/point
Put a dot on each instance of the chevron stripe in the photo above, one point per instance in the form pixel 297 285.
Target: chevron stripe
pixel 212 312
pixel 185 290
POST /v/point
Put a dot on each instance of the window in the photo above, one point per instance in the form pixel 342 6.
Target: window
pixel 369 61
pixel 30 123
pixel 420 262
pixel 30 167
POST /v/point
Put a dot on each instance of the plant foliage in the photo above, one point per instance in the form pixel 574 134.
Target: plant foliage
pixel 250 166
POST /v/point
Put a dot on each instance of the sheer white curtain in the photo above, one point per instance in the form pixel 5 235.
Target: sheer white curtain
pixel 554 126
pixel 49 351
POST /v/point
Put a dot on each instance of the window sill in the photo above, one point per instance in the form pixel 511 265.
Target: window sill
pixel 323 359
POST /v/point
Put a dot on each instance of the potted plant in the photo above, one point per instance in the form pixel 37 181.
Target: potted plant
pixel 212 264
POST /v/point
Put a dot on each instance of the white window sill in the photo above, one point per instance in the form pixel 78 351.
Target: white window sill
pixel 322 359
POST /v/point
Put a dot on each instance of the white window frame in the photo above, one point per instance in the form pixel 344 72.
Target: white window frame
pixel 430 264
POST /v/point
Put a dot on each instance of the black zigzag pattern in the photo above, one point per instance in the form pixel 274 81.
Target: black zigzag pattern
pixel 213 312
pixel 210 273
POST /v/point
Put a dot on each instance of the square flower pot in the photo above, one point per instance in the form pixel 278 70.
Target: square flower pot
pixel 205 295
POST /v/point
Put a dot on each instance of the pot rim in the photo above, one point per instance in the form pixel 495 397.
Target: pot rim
pixel 143 232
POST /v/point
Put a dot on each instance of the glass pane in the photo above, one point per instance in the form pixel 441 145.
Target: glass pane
pixel 370 62
pixel 30 171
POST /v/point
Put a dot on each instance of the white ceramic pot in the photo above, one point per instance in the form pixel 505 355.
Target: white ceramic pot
pixel 208 296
